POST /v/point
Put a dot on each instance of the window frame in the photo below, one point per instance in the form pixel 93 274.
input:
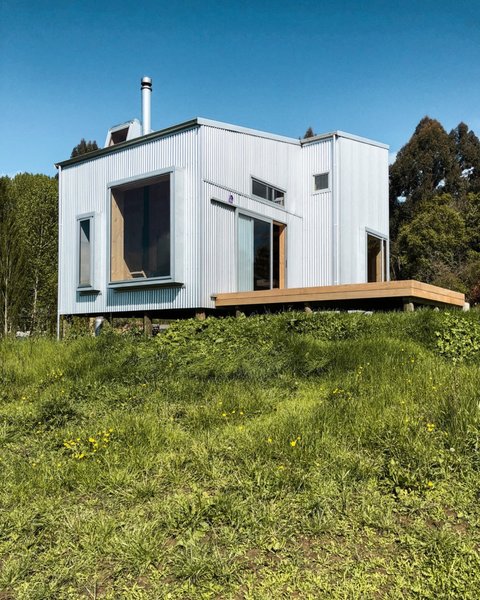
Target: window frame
pixel 175 256
pixel 385 254
pixel 283 251
pixel 85 287
pixel 271 186
pixel 323 190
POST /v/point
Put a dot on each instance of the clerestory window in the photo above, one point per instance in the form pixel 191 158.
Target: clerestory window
pixel 268 192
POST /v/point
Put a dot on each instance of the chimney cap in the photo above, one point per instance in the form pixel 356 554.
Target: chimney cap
pixel 146 82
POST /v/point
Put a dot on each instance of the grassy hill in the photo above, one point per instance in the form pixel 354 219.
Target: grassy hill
pixel 288 456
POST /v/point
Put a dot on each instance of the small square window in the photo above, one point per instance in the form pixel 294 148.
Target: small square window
pixel 320 182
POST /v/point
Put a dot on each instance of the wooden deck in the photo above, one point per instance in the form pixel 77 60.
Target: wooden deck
pixel 381 295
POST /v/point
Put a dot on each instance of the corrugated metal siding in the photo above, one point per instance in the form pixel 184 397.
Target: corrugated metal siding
pixel 317 215
pixel 84 189
pixel 363 178
pixel 217 164
pixel 231 159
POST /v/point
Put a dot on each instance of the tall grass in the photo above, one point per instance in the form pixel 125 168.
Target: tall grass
pixel 329 455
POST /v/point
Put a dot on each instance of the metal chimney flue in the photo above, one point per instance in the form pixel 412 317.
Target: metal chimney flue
pixel 146 105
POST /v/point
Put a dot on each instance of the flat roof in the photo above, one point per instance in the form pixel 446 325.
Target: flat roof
pixel 200 121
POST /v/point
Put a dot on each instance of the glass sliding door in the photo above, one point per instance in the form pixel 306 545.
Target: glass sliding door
pixel 245 253
pixel 260 254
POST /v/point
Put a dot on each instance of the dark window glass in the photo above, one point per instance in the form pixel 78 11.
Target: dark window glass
pixel 260 189
pixel 321 182
pixel 261 255
pixel 267 192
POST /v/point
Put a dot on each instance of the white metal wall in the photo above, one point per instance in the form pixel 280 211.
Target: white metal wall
pixel 363 204
pixel 218 165
pixel 84 189
pixel 230 160
pixel 317 210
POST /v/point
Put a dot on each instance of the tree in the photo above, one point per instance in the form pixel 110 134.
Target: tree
pixel 309 133
pixel 425 167
pixel 467 154
pixel 12 263
pixel 433 242
pixel 84 147
pixel 36 199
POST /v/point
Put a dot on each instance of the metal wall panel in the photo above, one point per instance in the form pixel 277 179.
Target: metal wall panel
pixel 218 165
pixel 230 160
pixel 84 189
pixel 317 215
pixel 363 204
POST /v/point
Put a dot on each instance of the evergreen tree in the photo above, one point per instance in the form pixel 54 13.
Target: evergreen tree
pixel 309 133
pixel 13 279
pixel 36 200
pixel 84 147
pixel 424 167
pixel 467 154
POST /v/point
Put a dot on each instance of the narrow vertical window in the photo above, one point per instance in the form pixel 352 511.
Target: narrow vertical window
pixel 85 253
pixel 376 259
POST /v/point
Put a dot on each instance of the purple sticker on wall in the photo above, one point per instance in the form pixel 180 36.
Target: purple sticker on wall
pixel 230 199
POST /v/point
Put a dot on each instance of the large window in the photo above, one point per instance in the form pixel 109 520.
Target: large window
pixel 140 230
pixel 85 252
pixel 268 192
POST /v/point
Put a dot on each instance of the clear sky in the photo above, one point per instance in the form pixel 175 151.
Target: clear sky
pixel 72 68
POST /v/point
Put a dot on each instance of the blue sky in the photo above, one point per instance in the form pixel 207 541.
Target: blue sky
pixel 72 68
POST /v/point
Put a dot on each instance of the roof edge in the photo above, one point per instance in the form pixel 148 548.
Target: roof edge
pixel 344 134
pixel 133 142
pixel 248 131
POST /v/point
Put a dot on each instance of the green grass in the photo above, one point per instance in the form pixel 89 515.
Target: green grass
pixel 289 456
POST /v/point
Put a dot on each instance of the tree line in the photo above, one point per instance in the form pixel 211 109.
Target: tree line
pixel 434 225
pixel 29 250
pixel 435 208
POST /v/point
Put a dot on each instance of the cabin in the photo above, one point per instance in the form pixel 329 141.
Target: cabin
pixel 173 222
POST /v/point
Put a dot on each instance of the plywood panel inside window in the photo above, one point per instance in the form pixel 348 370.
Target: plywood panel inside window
pixel 375 259
pixel 140 231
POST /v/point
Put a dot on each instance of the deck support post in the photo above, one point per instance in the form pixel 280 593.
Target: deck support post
pixel 408 306
pixel 91 326
pixel 200 315
pixel 147 325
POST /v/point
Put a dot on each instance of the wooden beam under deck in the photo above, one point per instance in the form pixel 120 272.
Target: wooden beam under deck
pixel 408 291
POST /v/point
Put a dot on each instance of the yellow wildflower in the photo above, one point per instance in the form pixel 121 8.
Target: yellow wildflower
pixel 293 443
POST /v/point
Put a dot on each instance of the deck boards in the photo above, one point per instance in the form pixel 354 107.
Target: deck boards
pixel 406 291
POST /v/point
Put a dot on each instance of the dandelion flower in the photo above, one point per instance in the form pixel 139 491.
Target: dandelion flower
pixel 269 440
pixel 293 443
